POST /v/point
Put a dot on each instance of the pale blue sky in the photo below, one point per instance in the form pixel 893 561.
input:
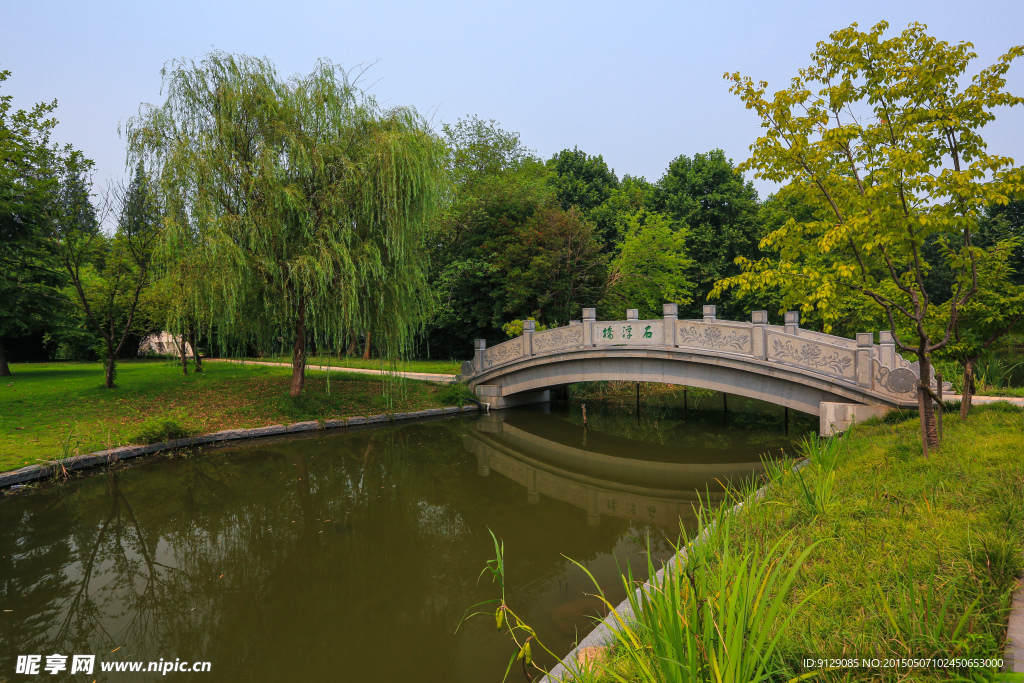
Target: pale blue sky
pixel 638 84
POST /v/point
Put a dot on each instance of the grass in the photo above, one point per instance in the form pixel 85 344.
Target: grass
pixel 911 558
pixel 437 367
pixel 51 410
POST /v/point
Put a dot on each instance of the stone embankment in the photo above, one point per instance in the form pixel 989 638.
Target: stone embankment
pixel 59 467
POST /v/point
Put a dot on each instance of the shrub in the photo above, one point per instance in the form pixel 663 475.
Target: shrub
pixel 455 394
pixel 163 428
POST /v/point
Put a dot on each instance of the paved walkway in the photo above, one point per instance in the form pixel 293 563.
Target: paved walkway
pixel 975 400
pixel 426 376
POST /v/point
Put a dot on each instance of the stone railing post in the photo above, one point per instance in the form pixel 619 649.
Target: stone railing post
pixel 479 345
pixel 632 315
pixel 671 314
pixel 793 322
pixel 589 317
pixel 758 321
pixel 529 326
pixel 887 350
pixel 710 311
pixel 865 346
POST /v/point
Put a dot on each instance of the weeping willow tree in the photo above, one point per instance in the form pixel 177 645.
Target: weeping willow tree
pixel 301 202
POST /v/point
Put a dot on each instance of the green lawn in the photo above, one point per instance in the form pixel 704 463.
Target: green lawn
pixel 438 367
pixel 43 404
pixel 916 558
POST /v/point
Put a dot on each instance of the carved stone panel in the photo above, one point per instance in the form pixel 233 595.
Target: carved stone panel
pixel 629 332
pixel 558 338
pixel 714 337
pixel 812 355
pixel 503 353
pixel 901 381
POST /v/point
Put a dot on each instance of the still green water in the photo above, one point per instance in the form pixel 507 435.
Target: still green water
pixel 352 556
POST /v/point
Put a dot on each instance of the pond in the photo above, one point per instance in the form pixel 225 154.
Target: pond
pixel 353 555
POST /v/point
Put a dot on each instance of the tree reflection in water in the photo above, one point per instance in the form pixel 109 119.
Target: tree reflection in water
pixel 349 555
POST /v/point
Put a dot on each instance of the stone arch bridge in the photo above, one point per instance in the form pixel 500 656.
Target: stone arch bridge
pixel 841 380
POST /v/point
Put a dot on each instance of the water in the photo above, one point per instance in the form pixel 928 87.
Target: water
pixel 354 555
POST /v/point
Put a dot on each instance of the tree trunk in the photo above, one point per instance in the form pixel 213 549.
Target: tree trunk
pixel 183 350
pixel 353 342
pixel 366 351
pixel 5 370
pixel 195 349
pixel 965 400
pixel 111 370
pixel 299 354
pixel 929 428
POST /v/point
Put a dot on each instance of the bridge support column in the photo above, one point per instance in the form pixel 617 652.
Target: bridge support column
pixel 835 418
pixel 491 395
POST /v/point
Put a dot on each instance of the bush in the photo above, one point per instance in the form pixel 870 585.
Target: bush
pixel 455 394
pixel 163 428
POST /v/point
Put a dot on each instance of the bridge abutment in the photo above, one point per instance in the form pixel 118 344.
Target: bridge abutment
pixel 491 394
pixel 836 418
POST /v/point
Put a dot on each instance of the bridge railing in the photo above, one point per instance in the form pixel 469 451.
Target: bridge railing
pixel 859 362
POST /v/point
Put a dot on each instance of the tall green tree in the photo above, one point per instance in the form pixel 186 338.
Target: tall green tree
pixel 996 310
pixel 305 200
pixel 585 182
pixel 882 136
pixel 650 267
pixel 30 279
pixel 708 197
pixel 107 273
pixel 551 267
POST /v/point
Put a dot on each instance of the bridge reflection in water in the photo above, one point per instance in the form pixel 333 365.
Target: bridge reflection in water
pixel 604 474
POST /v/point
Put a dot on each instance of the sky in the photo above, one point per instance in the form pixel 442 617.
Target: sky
pixel 638 84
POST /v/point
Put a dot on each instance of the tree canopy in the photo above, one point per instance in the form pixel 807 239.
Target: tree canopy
pixel 304 200
pixel 883 142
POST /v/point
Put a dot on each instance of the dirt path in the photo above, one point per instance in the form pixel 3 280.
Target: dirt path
pixel 427 376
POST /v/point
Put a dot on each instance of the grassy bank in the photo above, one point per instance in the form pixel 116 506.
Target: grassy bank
pixel 434 367
pixel 46 407
pixel 909 558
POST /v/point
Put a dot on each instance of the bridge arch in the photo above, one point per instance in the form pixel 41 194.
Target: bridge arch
pixel 840 380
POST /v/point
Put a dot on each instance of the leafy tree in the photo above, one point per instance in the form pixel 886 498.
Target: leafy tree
pixel 108 273
pixel 478 148
pixel 707 196
pixel 552 266
pixel 584 182
pixel 879 134
pixel 499 187
pixel 650 267
pixel 996 310
pixel 305 201
pixel 30 280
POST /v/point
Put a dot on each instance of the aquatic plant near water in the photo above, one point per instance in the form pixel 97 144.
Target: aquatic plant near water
pixel 520 632
pixel 714 614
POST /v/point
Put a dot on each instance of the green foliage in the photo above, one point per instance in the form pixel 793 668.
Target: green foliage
pixel 878 137
pixel 551 267
pixel 455 394
pixel 586 183
pixel 908 167
pixel 478 148
pixel 708 197
pixel 107 273
pixel 514 328
pixel 714 614
pixel 817 481
pixel 302 201
pixel 174 425
pixel 649 269
pixel 519 631
pixel 30 278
